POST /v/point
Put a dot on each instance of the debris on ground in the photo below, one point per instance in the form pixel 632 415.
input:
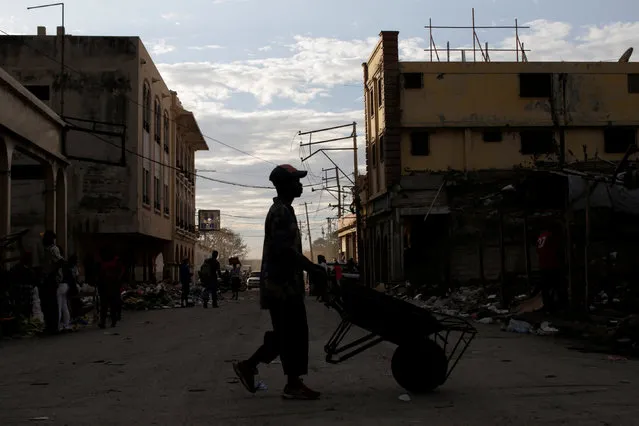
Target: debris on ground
pixel 156 296
pixel 546 329
pixel 404 397
pixel 466 302
pixel 517 326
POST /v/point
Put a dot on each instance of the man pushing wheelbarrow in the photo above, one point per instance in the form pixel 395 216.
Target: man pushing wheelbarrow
pixel 420 363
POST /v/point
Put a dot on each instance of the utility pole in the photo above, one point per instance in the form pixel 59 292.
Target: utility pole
pixel 308 227
pixel 339 194
pixel 355 166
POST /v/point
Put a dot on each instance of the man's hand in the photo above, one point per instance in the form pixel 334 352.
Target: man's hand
pixel 319 278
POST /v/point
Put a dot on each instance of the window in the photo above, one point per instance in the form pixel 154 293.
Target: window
pixel 535 142
pixel 633 83
pixel 380 93
pixel 618 139
pixel 492 136
pixel 166 132
pixel 39 91
pixel 381 149
pixel 146 183
pixel 535 85
pixel 166 199
pixel 146 106
pixel 371 103
pixel 374 154
pixel 158 120
pixel 156 194
pixel 420 143
pixel 413 80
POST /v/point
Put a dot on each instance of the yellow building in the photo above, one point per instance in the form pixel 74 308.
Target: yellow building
pixel 127 135
pixel 424 119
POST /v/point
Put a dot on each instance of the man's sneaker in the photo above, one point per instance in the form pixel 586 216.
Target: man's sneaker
pixel 300 391
pixel 246 374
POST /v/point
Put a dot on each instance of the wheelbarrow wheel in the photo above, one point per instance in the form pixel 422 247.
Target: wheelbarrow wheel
pixel 419 367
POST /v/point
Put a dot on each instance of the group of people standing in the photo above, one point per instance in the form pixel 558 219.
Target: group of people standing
pixel 59 287
pixel 210 272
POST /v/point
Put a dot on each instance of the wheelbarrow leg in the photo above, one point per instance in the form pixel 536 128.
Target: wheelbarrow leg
pixel 339 334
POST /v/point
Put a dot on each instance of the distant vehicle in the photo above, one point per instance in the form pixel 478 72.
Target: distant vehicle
pixel 253 280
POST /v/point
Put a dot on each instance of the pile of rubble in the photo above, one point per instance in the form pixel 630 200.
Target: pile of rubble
pixel 465 302
pixel 156 296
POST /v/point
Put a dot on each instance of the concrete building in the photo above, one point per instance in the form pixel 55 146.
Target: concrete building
pixel 347 235
pixel 127 136
pixel 188 140
pixel 428 120
pixel 33 171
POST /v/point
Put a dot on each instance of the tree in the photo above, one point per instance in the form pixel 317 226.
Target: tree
pixel 227 242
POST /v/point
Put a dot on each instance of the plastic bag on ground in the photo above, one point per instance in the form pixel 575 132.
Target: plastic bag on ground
pixel 36 313
pixel 517 326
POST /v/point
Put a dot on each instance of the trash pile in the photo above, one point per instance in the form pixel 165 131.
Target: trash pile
pixel 524 327
pixel 466 302
pixel 156 296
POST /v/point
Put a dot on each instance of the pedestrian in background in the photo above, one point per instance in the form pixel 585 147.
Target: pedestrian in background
pixel 109 287
pixel 185 279
pixel 209 273
pixel 236 280
pixel 51 278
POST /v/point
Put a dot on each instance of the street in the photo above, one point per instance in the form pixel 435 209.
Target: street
pixel 172 367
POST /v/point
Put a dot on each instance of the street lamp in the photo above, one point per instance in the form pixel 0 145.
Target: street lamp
pixel 62 43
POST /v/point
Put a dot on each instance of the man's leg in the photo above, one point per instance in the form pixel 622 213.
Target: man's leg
pixel 205 296
pixel 265 354
pixel 104 306
pixel 114 299
pixel 293 343
pixel 214 295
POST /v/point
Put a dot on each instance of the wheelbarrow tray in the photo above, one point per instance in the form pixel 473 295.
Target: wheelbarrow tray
pixel 440 340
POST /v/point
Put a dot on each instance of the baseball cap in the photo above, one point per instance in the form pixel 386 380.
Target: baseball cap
pixel 285 172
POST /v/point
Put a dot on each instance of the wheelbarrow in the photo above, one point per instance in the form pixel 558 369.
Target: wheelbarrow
pixel 429 346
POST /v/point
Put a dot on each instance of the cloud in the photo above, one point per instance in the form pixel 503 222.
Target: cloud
pixel 206 47
pixel 310 68
pixel 228 1
pixel 170 16
pixel 265 48
pixel 160 47
pixel 561 41
pixel 314 67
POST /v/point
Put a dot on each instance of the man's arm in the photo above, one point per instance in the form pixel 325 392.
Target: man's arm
pixel 282 229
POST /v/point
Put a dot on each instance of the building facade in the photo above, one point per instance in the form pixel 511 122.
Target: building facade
pixel 123 128
pixel 426 120
pixel 188 140
pixel 347 235
pixel 33 171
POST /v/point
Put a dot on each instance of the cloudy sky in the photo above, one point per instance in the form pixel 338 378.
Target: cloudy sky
pixel 255 72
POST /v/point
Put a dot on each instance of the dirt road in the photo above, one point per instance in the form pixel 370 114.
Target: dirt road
pixel 172 367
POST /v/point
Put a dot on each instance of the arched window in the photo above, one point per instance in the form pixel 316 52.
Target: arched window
pixel 146 106
pixel 158 120
pixel 166 131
